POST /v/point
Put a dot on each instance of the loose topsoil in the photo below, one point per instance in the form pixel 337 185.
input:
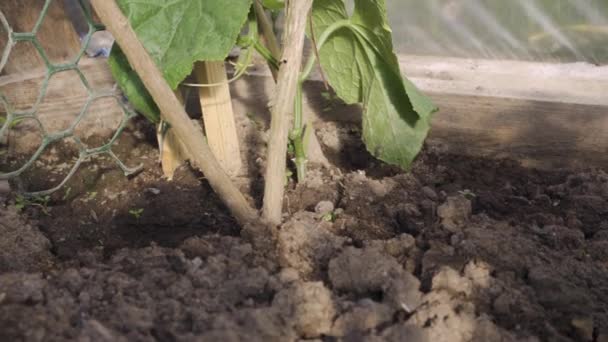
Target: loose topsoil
pixel 458 249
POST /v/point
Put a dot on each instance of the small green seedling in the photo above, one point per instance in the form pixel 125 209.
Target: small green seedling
pixel 468 194
pixel 136 212
pixel 91 195
pixel 329 217
pixel 42 202
pixel 68 191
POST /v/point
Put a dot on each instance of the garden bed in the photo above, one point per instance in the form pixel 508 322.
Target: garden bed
pixel 461 248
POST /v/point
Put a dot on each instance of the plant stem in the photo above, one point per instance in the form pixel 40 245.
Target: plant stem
pixel 268 35
pixel 299 131
pixel 173 112
pixel 283 104
pixel 297 135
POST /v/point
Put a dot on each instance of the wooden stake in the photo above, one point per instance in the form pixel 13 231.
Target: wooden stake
pixel 116 22
pixel 282 108
pixel 218 116
pixel 172 152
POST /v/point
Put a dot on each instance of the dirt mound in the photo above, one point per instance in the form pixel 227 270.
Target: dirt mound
pixel 459 249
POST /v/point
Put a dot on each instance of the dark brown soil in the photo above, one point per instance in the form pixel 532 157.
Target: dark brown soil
pixel 459 249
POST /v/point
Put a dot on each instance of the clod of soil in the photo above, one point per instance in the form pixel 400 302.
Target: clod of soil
pixel 23 248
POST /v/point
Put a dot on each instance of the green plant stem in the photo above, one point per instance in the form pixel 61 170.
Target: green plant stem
pixel 268 35
pixel 297 135
pixel 273 62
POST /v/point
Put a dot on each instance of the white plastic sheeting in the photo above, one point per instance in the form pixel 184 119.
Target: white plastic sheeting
pixel 531 30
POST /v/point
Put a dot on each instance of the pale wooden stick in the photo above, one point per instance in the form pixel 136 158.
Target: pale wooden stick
pixel 282 108
pixel 172 151
pixel 218 116
pixel 172 110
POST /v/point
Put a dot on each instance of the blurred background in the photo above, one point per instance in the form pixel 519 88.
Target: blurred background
pixel 528 30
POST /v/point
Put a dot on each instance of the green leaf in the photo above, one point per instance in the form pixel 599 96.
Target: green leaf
pixel 132 85
pixel 361 66
pixel 177 34
pixel 274 5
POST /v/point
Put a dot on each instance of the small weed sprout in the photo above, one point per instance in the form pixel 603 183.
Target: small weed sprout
pixel 41 202
pixel 468 194
pixel 136 212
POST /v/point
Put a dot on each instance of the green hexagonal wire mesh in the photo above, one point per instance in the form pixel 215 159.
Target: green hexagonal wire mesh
pixel 14 116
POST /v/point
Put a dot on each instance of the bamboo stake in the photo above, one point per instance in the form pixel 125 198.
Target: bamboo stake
pixel 116 22
pixel 218 116
pixel 283 106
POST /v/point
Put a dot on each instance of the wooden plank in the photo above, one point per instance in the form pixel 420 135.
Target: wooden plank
pixel 580 83
pixel 541 134
pixel 218 116
pixel 56 34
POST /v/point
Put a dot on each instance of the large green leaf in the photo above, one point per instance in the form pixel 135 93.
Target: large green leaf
pixel 177 34
pixel 361 66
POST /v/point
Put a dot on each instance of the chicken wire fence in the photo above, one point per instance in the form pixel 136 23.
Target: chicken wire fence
pixel 14 116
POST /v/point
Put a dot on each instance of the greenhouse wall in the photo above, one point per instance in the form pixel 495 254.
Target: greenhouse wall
pixel 529 30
